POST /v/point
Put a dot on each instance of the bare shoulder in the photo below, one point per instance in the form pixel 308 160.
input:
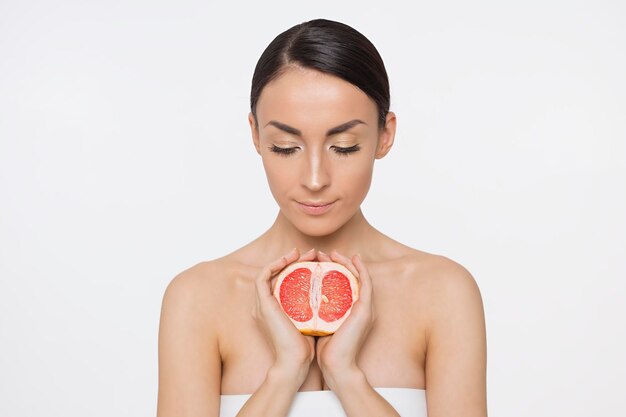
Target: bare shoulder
pixel 189 359
pixel 445 277
pixel 455 334
pixel 194 286
pixel 440 285
pixel 439 275
pixel 209 289
pixel 190 302
pixel 206 285
pixel 201 292
pixel 189 339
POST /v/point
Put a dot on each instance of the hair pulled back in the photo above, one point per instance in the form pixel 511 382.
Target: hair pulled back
pixel 330 47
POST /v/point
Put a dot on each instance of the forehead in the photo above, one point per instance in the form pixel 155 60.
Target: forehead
pixel 312 100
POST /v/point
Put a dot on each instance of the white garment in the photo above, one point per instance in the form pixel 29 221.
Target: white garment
pixel 408 402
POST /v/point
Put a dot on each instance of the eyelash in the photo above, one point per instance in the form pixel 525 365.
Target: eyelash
pixel 338 150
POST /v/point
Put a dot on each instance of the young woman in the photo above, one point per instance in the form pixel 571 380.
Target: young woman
pixel 414 343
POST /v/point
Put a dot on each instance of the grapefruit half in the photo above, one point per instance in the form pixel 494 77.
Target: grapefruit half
pixel 316 296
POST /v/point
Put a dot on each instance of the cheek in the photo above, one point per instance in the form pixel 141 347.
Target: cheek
pixel 277 174
pixel 356 180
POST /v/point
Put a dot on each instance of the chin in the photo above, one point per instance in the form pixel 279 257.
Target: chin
pixel 316 230
pixel 315 226
pixel 318 225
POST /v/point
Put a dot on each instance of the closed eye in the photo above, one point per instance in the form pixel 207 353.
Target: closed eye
pixel 282 151
pixel 337 149
pixel 345 151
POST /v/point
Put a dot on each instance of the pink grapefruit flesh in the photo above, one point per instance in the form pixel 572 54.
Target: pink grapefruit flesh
pixel 316 296
pixel 294 295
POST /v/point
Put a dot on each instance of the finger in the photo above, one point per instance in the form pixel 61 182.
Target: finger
pixel 364 278
pixel 307 256
pixel 262 281
pixel 285 260
pixel 323 257
pixel 345 261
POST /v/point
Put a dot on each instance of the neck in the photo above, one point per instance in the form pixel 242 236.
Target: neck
pixel 348 240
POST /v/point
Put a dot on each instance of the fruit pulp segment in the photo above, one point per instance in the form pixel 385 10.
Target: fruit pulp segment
pixel 295 295
pixel 336 296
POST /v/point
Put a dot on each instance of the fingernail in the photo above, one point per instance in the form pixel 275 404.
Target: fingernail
pixel 322 253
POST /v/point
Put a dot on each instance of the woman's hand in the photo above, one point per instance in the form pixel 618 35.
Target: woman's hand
pixel 293 352
pixel 336 354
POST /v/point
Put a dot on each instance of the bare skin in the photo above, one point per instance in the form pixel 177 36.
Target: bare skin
pixel 389 334
pixel 422 325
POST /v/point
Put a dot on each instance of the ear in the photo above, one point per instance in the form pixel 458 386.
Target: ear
pixel 386 136
pixel 255 133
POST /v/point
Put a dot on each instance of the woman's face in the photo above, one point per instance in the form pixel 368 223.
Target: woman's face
pixel 318 136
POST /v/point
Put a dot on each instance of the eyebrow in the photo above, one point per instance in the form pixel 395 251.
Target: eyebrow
pixel 332 131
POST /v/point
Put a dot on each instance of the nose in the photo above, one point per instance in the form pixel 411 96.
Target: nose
pixel 315 176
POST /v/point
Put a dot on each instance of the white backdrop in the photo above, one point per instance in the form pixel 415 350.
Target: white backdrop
pixel 125 158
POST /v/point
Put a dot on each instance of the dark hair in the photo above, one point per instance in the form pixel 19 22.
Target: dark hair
pixel 330 47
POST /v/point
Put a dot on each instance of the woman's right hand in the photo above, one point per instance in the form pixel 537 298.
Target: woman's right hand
pixel 293 351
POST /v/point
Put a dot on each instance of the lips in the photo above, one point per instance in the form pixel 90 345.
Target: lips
pixel 315 207
pixel 314 204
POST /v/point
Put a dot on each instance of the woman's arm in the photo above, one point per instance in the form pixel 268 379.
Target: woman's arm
pixel 336 354
pixel 274 396
pixel 189 359
pixel 455 361
pixel 357 396
pixel 293 351
pixel 456 353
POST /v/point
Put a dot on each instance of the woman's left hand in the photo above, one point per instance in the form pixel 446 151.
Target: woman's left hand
pixel 336 354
